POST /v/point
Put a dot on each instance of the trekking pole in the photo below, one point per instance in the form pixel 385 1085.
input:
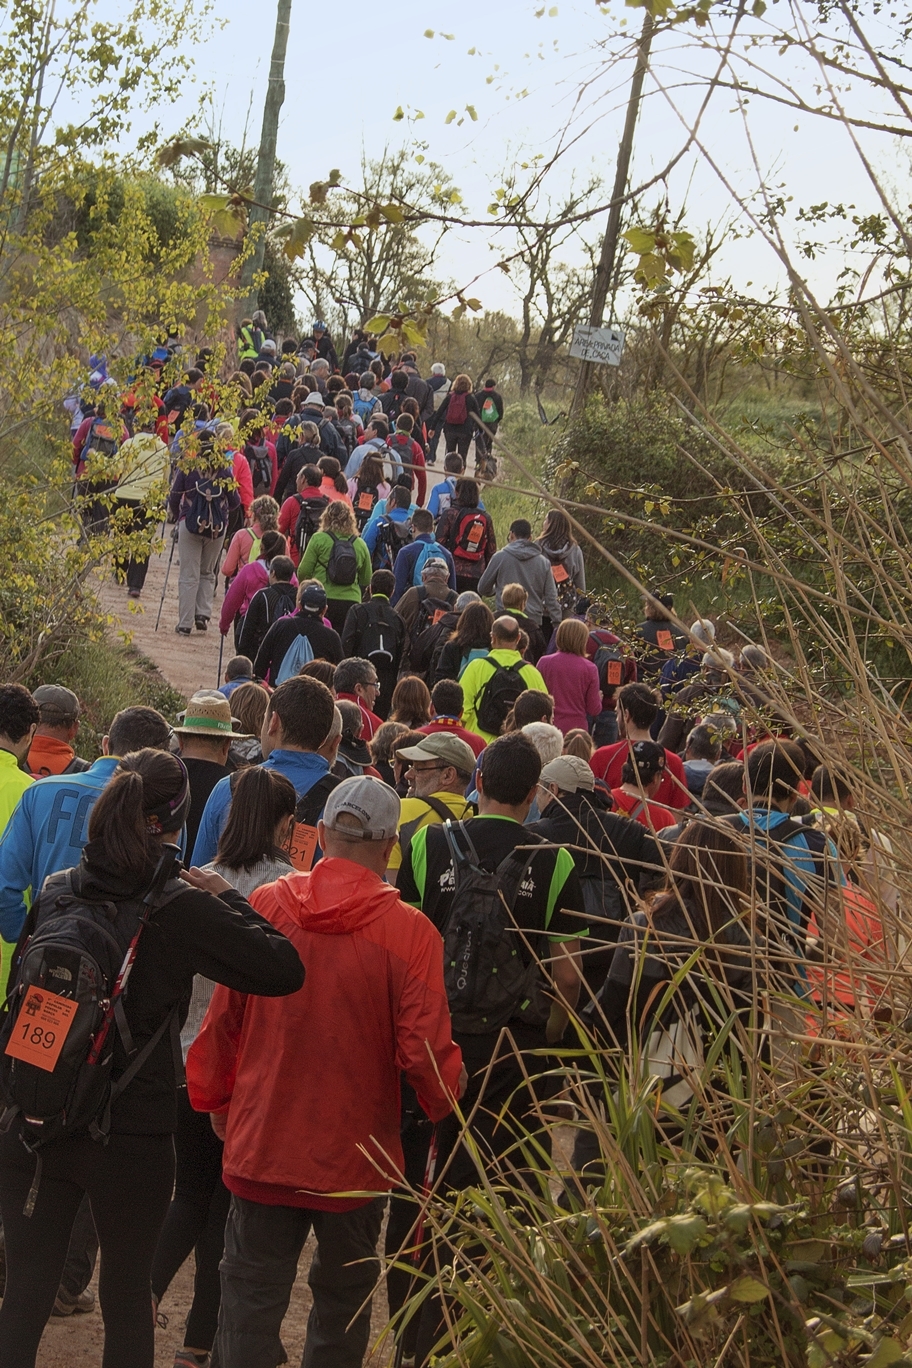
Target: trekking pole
pixel 221 653
pixel 430 1172
pixel 167 573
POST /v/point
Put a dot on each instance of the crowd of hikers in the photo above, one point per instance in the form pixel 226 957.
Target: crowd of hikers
pixel 437 820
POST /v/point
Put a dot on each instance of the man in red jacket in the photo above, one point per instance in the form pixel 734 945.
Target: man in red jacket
pixel 308 1097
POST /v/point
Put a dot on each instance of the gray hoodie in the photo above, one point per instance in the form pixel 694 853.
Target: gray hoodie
pixel 521 562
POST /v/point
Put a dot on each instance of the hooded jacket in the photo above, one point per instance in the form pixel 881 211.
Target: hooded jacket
pixel 311 1087
pixel 521 562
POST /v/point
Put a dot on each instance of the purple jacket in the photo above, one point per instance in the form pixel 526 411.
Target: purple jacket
pixel 572 682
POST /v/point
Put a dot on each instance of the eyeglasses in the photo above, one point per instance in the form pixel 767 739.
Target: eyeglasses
pixel 417 768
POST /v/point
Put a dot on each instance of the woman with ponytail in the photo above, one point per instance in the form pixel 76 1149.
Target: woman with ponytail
pixel 207 928
pixel 251 852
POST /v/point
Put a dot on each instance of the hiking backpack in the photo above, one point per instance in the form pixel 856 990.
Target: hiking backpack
pixel 426 630
pixel 498 696
pixel 364 407
pixel 489 410
pixel 310 511
pixel 379 636
pixel 365 501
pixel 299 653
pixel 610 664
pixel 342 566
pixel 457 410
pixel 391 537
pixel 428 550
pixel 207 513
pixel 260 468
pixel 469 538
pixel 102 439
pixel 487 978
pixel 348 432
pixel 64 1009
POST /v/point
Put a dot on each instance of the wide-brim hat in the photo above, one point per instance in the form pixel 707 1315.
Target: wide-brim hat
pixel 209 714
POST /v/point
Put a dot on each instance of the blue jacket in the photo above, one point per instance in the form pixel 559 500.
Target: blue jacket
pixel 45 834
pixel 408 558
pixel 447 486
pixel 374 446
pixel 303 768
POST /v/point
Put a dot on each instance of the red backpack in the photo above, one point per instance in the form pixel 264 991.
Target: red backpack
pixel 471 539
pixel 457 410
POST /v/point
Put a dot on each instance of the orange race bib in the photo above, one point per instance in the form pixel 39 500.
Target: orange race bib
pixel 303 847
pixel 476 532
pixel 438 614
pixel 42 1026
pixel 615 672
pixel 560 573
pixel 665 640
pixel 365 502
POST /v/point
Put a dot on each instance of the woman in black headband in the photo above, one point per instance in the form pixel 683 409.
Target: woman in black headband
pixel 206 929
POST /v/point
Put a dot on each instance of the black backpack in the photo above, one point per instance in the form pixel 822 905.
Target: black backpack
pixel 348 431
pixel 488 978
pixel 365 502
pixel 427 631
pixel 70 977
pixel 610 664
pixel 207 512
pixel 498 697
pixel 309 515
pixel 380 636
pixel 391 537
pixel 342 566
pixel 260 468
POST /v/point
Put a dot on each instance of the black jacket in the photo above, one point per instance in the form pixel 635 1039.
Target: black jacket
pixel 221 938
pixel 324 643
pixel 327 352
pixel 298 458
pixel 440 419
pixel 266 607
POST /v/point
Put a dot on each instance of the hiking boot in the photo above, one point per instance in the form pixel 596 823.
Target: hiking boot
pixel 134 593
pixel 202 624
pixel 65 1305
pixel 183 631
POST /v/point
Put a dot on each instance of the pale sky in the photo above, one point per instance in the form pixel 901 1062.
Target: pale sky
pixel 347 71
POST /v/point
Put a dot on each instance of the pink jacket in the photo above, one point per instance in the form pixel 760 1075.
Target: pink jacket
pixel 572 682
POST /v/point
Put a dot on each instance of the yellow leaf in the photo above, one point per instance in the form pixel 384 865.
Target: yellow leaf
pixel 450 117
pixel 399 114
pixel 378 324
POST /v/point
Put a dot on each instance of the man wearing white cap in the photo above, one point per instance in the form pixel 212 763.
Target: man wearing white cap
pixel 305 1089
pixel 439 771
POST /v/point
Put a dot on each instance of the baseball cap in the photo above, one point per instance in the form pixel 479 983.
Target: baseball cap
pixel 208 714
pixel 569 772
pixel 452 750
pixel 313 600
pixel 56 703
pixel 315 400
pixel 373 806
pixel 268 345
pixel 435 567
pixel 647 758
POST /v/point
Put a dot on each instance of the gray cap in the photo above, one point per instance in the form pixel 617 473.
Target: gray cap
pixel 569 772
pixel 56 703
pixel 369 807
pixel 441 745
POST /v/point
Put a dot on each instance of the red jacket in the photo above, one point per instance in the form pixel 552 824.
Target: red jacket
pixel 312 1079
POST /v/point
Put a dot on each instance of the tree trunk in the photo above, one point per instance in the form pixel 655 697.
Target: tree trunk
pixel 264 184
pixel 605 272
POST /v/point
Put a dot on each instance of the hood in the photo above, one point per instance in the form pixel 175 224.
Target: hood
pixel 337 898
pixel 555 554
pixel 521 550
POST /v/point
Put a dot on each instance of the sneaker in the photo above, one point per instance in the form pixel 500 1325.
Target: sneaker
pixel 68 1306
pixel 184 1359
pixel 183 631
pixel 134 593
pixel 202 624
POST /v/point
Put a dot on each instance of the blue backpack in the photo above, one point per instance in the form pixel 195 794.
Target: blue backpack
pixel 299 653
pixel 428 550
pixel 363 407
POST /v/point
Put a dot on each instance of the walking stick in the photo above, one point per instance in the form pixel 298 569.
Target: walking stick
pixel 221 653
pixel 430 1172
pixel 167 573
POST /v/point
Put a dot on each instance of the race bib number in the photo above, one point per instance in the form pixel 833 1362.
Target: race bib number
pixel 665 640
pixel 365 502
pixel 303 847
pixel 476 532
pixel 438 614
pixel 560 573
pixel 42 1026
pixel 615 672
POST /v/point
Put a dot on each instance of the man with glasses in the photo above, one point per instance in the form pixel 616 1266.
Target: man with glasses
pixel 356 679
pixel 440 770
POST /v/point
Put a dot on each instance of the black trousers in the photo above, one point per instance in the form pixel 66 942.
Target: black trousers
pixel 337 612
pixel 128 1182
pixel 134 570
pixel 195 1221
pixel 262 1248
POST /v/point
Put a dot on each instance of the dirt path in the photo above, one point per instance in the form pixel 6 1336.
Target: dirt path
pixel 188 663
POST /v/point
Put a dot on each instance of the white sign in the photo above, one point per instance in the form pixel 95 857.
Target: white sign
pixel 602 346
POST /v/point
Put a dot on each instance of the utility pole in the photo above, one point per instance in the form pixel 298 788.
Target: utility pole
pixel 264 182
pixel 605 271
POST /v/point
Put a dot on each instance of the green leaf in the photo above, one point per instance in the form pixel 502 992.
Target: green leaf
pixel 335 176
pixel 450 117
pixel 470 110
pixel 758 9
pixel 378 324
pixel 474 304
pixel 302 230
pixel 172 152
pixel 683 1232
pixel 340 241
pixel 399 114
pixel 748 1289
pixel 552 12
pixel 428 33
pixel 887 1352
pixel 391 212
pixel 640 240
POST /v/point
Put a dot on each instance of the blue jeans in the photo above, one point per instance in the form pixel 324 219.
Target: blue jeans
pixel 605 728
